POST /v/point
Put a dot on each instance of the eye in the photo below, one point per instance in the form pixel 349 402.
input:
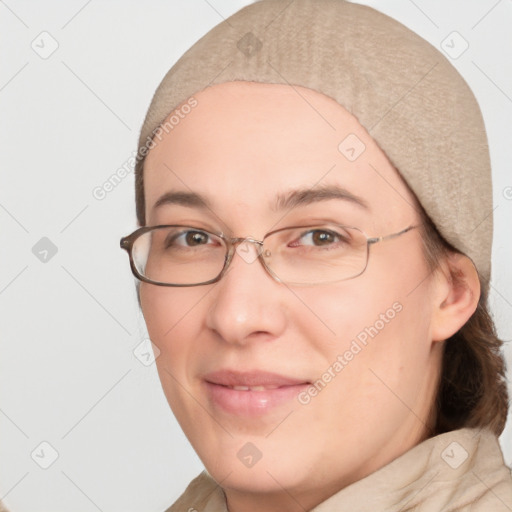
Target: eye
pixel 188 238
pixel 319 238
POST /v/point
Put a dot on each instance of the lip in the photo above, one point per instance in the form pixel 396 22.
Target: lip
pixel 271 391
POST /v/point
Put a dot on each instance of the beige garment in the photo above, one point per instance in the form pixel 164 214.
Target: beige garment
pixel 461 470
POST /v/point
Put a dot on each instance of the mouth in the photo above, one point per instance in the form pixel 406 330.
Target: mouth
pixel 253 393
pixel 251 388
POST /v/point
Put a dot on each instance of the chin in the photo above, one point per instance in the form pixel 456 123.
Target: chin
pixel 256 464
pixel 261 478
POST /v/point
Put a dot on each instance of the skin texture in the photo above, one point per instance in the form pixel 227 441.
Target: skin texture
pixel 240 146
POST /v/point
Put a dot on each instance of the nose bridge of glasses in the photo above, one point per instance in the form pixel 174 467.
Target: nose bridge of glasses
pixel 247 247
pixel 249 250
pixel 239 240
pixel 244 244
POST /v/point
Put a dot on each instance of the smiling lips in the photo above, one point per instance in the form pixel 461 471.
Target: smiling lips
pixel 251 393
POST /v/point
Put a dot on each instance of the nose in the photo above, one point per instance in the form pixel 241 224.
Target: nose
pixel 247 304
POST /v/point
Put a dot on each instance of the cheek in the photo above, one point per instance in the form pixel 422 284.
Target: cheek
pixel 379 323
pixel 172 320
pixel 171 317
pixel 373 370
pixel 357 309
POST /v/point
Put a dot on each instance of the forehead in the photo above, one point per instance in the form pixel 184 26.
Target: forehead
pixel 244 143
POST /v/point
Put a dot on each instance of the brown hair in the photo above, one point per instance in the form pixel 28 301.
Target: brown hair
pixel 472 390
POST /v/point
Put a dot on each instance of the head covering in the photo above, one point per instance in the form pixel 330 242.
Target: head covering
pixel 402 90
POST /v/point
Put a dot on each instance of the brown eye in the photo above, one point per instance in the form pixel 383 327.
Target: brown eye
pixel 196 237
pixel 189 238
pixel 320 237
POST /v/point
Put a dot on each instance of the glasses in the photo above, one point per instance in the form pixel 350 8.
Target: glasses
pixel 181 255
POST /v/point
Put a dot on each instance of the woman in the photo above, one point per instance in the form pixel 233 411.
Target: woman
pixel 314 266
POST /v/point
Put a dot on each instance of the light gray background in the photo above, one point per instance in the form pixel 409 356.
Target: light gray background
pixel 69 325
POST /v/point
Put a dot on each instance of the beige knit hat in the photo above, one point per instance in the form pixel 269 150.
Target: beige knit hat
pixel 406 94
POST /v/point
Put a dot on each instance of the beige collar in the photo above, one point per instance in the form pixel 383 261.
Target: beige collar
pixel 459 470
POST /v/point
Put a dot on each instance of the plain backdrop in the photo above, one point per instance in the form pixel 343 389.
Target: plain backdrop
pixel 76 393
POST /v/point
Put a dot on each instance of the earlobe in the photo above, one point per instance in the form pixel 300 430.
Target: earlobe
pixel 457 296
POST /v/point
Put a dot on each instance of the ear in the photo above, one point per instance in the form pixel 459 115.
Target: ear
pixel 457 292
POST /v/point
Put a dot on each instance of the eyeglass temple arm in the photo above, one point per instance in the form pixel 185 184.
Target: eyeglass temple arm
pixel 392 235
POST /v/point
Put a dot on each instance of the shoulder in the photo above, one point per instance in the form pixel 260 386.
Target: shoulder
pixel 492 478
pixel 474 473
pixel 202 494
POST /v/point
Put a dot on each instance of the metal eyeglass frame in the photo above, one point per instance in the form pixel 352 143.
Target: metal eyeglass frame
pixel 128 241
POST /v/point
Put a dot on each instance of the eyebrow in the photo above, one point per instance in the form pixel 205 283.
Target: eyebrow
pixel 290 200
pixel 305 196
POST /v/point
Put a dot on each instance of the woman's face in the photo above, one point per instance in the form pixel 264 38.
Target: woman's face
pixel 368 339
